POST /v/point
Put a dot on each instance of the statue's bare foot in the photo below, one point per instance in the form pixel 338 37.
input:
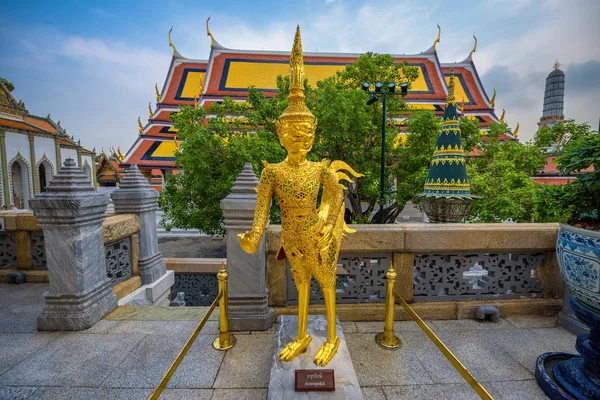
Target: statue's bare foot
pixel 294 348
pixel 326 352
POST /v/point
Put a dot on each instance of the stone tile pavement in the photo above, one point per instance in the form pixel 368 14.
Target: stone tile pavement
pixel 125 356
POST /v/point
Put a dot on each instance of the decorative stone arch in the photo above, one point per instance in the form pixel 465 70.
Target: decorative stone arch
pixel 87 169
pixel 25 180
pixel 48 172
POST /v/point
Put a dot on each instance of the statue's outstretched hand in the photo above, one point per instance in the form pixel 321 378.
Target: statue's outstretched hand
pixel 249 241
pixel 325 238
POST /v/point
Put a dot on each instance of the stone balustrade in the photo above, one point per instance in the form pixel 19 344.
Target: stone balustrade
pixel 435 262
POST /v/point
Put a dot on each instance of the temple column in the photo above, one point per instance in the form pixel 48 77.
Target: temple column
pixel 5 173
pixel 248 299
pixel 58 156
pixel 34 170
pixel 71 213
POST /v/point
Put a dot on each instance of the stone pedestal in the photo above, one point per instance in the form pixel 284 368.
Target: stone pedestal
pixel 248 300
pixel 135 196
pixel 281 384
pixel 70 213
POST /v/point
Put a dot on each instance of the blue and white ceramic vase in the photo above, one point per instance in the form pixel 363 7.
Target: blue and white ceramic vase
pixel 578 252
pixel 565 376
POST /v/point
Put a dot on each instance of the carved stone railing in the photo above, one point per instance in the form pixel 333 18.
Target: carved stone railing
pixel 122 252
pixel 434 262
pixel 22 248
pixel 197 278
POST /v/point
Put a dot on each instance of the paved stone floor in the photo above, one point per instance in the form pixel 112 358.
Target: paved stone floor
pixel 125 356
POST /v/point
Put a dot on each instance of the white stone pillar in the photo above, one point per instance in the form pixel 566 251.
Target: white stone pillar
pixel 70 213
pixel 248 299
pixel 135 196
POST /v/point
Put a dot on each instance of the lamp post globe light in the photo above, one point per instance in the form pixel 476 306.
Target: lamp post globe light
pixel 391 90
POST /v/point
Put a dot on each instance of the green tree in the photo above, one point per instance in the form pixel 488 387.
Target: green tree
pixel 501 174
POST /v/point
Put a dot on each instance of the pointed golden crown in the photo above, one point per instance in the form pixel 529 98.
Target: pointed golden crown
pixel 296 110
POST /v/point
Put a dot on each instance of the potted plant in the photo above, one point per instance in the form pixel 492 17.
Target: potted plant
pixel 578 253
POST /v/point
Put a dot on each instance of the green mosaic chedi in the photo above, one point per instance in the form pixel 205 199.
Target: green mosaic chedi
pixel 447 171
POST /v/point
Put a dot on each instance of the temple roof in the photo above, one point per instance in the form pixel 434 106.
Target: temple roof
pixel 229 72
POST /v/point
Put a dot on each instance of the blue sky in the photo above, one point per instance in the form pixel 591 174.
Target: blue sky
pixel 93 65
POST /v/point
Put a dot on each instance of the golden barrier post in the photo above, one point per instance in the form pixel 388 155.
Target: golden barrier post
pixel 225 340
pixel 387 339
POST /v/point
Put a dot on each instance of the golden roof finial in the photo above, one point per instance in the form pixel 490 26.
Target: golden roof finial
pixel 177 144
pixel 296 110
pixel 474 48
pixel 140 127
pixel 121 156
pixel 158 96
pixel 516 131
pixel 170 42
pixel 502 116
pixel 461 108
pixel 451 99
pixel 493 100
pixel 556 64
pixel 437 40
pixel 212 38
pixel 150 112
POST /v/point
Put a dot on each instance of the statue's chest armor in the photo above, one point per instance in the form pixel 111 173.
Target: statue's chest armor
pixel 297 186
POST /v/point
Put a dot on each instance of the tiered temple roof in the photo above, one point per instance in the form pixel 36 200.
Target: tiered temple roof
pixel 229 72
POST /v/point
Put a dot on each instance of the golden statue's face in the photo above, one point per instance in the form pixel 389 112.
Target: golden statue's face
pixel 296 137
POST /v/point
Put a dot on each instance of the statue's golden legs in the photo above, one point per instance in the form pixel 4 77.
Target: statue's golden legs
pixel 329 348
pixel 298 345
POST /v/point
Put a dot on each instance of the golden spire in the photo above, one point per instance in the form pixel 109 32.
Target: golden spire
pixel 212 38
pixel 158 96
pixel 296 110
pixel 170 42
pixel 493 100
pixel 516 131
pixel 502 116
pixel 437 40
pixel 451 99
pixel 150 112
pixel 474 48
pixel 556 64
pixel 461 108
pixel 140 127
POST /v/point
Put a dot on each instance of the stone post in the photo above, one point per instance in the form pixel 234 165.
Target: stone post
pixel 70 213
pixel 135 196
pixel 248 300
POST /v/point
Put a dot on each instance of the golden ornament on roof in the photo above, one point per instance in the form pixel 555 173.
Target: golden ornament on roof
pixel 474 48
pixel 150 112
pixel 140 127
pixel 502 116
pixel 171 42
pixel 556 64
pixel 212 38
pixel 461 108
pixel 516 131
pixel 493 100
pixel 310 236
pixel 437 40
pixel 158 96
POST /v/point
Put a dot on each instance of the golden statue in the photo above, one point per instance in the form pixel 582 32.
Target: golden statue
pixel 311 236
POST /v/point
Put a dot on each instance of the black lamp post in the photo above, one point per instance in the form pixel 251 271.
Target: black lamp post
pixel 391 90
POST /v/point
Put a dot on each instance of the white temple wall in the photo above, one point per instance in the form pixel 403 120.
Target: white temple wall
pixel 17 143
pixel 45 147
pixel 68 153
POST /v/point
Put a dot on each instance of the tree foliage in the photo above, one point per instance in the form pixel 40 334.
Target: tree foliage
pixel 501 174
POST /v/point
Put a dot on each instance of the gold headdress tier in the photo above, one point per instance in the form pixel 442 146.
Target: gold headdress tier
pixel 451 99
pixel 296 111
